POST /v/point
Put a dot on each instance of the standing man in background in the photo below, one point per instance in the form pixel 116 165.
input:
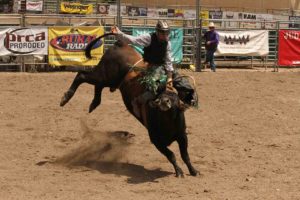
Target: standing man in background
pixel 211 43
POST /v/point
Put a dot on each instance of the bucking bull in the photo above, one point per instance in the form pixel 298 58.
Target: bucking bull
pixel 164 118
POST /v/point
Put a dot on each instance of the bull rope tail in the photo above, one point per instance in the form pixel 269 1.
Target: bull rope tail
pixel 92 43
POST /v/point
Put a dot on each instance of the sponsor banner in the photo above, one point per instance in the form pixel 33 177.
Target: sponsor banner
pixel 16 6
pixel 103 9
pixel 133 11
pixel 243 43
pixel 295 24
pixel 179 13
pixel 289 48
pixel 189 14
pixel 204 15
pixel 6 6
pixel 176 38
pixel 143 11
pixel 162 12
pixel 76 8
pixel 229 17
pixel 215 14
pixel 152 12
pixel 67 44
pixel 123 10
pixel 136 11
pixel 24 41
pixel 282 18
pixel 248 19
pixel 34 5
pixel 266 21
pixel 113 10
pixel 171 12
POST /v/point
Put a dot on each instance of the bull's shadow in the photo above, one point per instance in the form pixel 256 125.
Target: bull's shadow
pixel 136 173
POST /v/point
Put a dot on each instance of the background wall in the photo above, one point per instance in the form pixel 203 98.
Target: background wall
pixel 234 5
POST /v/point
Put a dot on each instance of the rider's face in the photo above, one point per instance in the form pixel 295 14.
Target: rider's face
pixel 163 35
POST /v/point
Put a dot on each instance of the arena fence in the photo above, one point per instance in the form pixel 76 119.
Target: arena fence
pixel 34 63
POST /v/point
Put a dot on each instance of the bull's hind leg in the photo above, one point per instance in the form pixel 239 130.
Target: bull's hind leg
pixel 81 77
pixel 171 157
pixel 183 145
pixel 97 98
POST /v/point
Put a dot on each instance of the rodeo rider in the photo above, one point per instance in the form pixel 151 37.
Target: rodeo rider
pixel 157 52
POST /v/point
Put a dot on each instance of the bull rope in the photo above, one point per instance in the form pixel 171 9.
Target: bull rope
pixel 136 63
pixel 130 69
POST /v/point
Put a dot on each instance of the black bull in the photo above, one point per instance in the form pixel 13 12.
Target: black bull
pixel 114 71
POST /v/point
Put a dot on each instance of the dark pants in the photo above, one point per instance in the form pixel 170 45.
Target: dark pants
pixel 210 58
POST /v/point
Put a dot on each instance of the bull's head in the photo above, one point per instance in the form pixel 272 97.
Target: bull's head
pixel 166 100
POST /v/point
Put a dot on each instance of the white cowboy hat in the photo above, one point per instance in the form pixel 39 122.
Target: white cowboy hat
pixel 211 24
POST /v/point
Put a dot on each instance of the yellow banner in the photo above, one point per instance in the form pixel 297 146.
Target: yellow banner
pixel 204 15
pixel 67 45
pixel 76 8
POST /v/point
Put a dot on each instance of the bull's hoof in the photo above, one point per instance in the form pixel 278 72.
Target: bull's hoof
pixel 194 173
pixel 65 99
pixel 93 106
pixel 179 173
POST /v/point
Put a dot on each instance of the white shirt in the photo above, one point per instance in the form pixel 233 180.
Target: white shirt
pixel 145 40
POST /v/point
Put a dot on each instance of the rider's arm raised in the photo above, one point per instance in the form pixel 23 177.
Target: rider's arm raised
pixel 141 40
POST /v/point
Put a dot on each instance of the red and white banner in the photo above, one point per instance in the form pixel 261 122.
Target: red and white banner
pixel 243 43
pixel 34 5
pixel 24 41
pixel 289 48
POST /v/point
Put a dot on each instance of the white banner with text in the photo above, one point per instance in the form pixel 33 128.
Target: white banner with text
pixel 243 43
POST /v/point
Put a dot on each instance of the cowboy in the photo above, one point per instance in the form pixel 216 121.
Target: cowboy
pixel 211 43
pixel 157 52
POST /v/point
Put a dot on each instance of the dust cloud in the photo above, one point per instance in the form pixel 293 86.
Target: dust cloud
pixel 98 146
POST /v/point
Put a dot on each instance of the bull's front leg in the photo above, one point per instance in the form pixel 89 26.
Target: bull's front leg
pixel 183 145
pixel 81 77
pixel 171 157
pixel 97 98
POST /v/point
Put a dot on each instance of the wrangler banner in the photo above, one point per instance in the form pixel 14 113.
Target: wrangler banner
pixel 67 44
pixel 23 41
pixel 289 48
pixel 176 38
pixel 243 43
pixel 76 8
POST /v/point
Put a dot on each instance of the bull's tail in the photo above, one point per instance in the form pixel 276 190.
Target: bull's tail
pixel 92 43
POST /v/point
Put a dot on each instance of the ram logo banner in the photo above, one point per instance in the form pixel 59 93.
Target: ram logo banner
pixel 289 48
pixel 24 41
pixel 243 43
pixel 67 45
pixel 76 8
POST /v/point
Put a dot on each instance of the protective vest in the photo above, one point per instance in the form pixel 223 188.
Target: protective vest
pixel 156 52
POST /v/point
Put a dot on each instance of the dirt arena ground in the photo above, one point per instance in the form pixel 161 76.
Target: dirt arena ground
pixel 244 139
